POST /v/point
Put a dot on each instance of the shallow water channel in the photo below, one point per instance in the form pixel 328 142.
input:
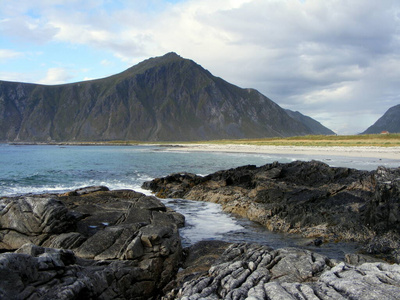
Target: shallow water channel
pixel 207 221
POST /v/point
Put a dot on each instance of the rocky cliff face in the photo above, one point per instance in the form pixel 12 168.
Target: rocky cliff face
pixel 161 99
pixel 390 121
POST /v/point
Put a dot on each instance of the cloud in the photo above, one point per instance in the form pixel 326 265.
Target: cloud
pixel 56 76
pixel 332 59
pixel 6 55
pixel 28 29
pixel 311 56
pixel 106 62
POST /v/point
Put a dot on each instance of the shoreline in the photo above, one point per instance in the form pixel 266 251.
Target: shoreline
pixel 346 151
pixel 361 151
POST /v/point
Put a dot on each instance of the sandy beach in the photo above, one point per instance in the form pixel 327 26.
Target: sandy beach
pixel 373 152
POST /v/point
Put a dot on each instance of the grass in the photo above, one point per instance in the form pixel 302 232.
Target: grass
pixel 376 140
pixel 366 140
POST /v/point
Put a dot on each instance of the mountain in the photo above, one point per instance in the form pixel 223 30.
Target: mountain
pixel 166 98
pixel 390 122
pixel 314 126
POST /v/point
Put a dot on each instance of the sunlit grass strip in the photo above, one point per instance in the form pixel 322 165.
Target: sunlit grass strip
pixel 367 140
pixel 375 140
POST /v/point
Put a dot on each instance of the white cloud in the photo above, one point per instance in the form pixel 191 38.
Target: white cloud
pixel 324 58
pixel 56 76
pixel 16 76
pixel 6 55
pixel 106 62
pixel 28 29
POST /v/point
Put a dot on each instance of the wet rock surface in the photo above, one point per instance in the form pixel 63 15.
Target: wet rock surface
pixel 308 198
pixel 247 271
pixel 91 243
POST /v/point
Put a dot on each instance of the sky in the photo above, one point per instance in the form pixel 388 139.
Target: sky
pixel 337 61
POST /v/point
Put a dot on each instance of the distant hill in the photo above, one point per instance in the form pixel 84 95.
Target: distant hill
pixel 165 98
pixel 314 126
pixel 390 122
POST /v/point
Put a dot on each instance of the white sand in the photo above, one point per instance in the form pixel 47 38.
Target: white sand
pixel 373 152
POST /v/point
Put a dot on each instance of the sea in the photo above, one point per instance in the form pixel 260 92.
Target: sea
pixel 39 169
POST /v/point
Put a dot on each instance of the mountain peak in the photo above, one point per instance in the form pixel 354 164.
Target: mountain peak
pixel 168 57
pixel 171 55
pixel 166 98
pixel 152 62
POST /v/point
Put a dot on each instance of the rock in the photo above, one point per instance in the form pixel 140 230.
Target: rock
pixel 318 241
pixel 358 259
pixel 87 190
pixel 111 244
pixel 309 198
pixel 246 271
pixel 32 219
pixel 366 281
pixel 43 273
pixel 198 260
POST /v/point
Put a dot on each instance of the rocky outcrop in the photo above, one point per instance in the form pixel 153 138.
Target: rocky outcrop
pixel 35 272
pixel 91 243
pixel 94 243
pixel 257 272
pixel 308 198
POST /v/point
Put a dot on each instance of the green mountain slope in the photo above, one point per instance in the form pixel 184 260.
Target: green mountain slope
pixel 166 98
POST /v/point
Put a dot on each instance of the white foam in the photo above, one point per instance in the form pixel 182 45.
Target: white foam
pixel 204 220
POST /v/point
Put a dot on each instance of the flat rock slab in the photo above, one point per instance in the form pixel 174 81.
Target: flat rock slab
pixel 257 272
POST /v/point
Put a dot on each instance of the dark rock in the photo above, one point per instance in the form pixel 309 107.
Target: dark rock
pixel 41 273
pixel 318 241
pixel 112 245
pixel 307 198
pixel 382 211
pixel 90 189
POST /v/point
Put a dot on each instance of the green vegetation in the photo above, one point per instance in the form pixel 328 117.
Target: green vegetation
pixel 365 140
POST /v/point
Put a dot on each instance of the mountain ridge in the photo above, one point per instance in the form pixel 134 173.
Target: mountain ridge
pixel 166 98
pixel 314 126
pixel 389 121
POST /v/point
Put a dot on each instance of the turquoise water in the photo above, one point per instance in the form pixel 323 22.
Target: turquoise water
pixel 50 168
